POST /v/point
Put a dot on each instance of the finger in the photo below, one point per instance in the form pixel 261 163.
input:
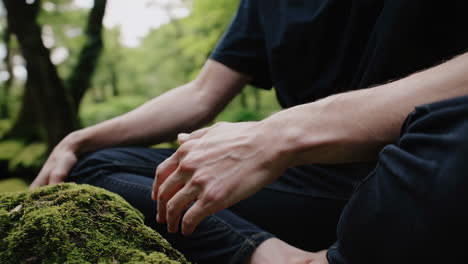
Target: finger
pixel 164 169
pixel 41 179
pixel 61 170
pixel 167 190
pixel 179 202
pixel 168 167
pixel 57 176
pixel 184 137
pixel 194 216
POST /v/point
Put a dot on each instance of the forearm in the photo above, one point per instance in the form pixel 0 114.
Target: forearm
pixel 155 121
pixel 182 109
pixel 354 126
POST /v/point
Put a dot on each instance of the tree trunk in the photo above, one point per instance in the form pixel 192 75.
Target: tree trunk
pixel 80 78
pixel 51 105
pixel 114 80
pixel 27 125
pixel 46 105
pixel 4 99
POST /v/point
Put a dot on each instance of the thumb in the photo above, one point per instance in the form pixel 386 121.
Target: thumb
pixel 184 137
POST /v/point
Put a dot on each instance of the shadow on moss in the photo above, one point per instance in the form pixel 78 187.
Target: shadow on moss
pixel 70 223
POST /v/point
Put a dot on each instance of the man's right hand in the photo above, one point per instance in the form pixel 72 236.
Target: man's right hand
pixel 58 165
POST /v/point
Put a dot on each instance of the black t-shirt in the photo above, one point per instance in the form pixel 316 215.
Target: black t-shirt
pixel 309 49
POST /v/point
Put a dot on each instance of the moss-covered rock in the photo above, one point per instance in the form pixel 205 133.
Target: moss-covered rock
pixel 70 223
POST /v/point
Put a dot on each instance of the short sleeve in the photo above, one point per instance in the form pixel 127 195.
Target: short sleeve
pixel 242 47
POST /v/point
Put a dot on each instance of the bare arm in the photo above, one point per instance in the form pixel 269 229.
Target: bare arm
pixel 228 162
pixel 182 109
pixel 185 108
pixel 354 126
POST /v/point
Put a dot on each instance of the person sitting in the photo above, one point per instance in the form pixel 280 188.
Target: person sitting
pixel 365 164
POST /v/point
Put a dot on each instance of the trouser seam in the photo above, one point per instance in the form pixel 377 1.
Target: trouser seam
pixel 249 245
pixel 250 242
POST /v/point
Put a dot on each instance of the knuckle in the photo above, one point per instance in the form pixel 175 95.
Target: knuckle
pixel 184 149
pixel 198 181
pixel 187 166
pixel 162 196
pixel 160 169
pixel 157 173
pixel 187 221
pixel 170 208
pixel 211 197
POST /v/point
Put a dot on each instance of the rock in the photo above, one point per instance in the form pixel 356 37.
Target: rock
pixel 70 223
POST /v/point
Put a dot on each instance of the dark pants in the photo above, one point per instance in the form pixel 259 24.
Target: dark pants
pixel 414 207
pixel 397 210
pixel 304 217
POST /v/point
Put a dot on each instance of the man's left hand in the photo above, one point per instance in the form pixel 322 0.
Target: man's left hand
pixel 214 168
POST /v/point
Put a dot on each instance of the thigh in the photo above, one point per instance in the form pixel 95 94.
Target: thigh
pixel 136 160
pixel 304 205
pixel 301 208
pixel 412 208
pixel 307 222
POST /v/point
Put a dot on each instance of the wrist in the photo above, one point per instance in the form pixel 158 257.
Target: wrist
pixel 314 132
pixel 288 134
pixel 75 142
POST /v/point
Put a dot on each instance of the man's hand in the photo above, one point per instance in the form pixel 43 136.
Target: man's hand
pixel 215 168
pixel 58 165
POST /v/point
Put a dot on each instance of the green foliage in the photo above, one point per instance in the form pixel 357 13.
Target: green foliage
pixel 20 155
pixel 10 148
pixel 167 57
pixel 174 53
pixel 31 156
pixel 237 112
pixel 63 26
pixel 71 223
pixel 92 113
pixel 13 185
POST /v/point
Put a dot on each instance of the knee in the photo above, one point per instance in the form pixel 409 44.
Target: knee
pixel 136 160
pixel 92 163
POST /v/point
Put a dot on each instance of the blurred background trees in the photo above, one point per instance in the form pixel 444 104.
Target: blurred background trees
pixel 62 68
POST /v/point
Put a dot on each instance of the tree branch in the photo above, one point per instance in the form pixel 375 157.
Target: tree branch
pixel 81 76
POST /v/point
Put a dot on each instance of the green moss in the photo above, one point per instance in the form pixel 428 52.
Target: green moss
pixel 70 223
